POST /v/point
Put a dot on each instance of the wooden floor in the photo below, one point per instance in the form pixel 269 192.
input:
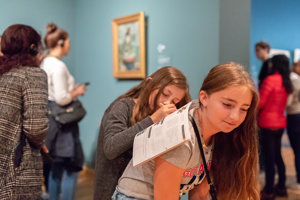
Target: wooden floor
pixel 85 182
pixel 85 186
pixel 288 157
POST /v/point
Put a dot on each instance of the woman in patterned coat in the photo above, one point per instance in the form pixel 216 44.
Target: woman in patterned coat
pixel 23 114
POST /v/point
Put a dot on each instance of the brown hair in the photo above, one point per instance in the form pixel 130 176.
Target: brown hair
pixel 0 47
pixel 263 45
pixel 159 80
pixel 235 157
pixel 54 35
pixel 19 45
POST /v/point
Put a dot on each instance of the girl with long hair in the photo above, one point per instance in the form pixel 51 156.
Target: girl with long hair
pixel 225 114
pixel 154 98
pixel 274 91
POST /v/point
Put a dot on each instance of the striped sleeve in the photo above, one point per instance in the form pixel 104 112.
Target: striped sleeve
pixel 35 119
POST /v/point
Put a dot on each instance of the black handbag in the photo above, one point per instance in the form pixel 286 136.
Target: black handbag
pixel 73 112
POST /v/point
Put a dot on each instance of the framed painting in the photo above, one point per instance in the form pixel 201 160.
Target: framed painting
pixel 129 47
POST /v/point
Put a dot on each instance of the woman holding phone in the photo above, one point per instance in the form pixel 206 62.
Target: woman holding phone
pixel 62 140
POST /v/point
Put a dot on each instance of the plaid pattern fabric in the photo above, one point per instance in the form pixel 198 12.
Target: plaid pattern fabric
pixel 23 108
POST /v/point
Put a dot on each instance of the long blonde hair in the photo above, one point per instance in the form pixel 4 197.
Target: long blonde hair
pixel 159 80
pixel 235 157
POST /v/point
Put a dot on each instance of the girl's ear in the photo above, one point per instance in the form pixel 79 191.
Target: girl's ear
pixel 149 78
pixel 203 98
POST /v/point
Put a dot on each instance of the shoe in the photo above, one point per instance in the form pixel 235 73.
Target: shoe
pixel 295 186
pixel 45 195
pixel 280 192
pixel 267 196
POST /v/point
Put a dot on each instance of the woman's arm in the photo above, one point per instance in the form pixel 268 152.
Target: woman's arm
pixel 200 192
pixel 60 85
pixel 35 114
pixel 167 178
pixel 118 134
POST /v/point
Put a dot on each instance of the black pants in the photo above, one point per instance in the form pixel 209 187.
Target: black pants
pixel 293 130
pixel 260 154
pixel 46 171
pixel 271 149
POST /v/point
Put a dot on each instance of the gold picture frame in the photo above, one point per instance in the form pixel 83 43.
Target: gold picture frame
pixel 129 47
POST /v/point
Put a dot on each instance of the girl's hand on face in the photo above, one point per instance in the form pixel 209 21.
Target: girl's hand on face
pixel 164 110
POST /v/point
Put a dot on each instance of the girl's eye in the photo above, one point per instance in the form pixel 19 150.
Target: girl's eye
pixel 244 110
pixel 165 94
pixel 227 105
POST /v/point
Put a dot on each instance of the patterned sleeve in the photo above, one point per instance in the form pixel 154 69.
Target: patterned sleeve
pixel 35 97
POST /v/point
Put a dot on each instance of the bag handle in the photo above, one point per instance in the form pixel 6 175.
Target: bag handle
pixel 212 189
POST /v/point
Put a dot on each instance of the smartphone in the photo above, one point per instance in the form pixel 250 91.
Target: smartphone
pixel 87 83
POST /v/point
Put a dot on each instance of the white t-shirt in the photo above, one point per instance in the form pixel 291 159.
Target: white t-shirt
pixel 293 103
pixel 60 81
pixel 138 181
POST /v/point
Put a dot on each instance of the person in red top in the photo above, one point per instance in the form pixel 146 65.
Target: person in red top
pixel 274 91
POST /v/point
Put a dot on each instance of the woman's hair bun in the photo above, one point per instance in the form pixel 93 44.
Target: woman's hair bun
pixel 51 28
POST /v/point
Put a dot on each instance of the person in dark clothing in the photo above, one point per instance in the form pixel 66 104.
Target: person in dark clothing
pixel 262 50
pixel 154 98
pixel 274 91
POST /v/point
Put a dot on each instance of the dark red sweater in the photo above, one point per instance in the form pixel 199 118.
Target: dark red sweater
pixel 273 99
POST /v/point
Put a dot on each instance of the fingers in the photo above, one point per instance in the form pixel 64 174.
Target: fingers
pixel 167 104
pixel 81 89
pixel 45 149
pixel 167 109
pixel 171 110
pixel 76 86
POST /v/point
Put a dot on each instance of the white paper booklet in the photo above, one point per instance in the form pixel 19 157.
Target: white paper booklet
pixel 163 136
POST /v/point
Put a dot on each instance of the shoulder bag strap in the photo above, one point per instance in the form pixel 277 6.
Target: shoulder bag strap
pixel 212 189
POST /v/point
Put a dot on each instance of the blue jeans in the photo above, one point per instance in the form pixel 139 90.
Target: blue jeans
pixel 120 196
pixel 62 181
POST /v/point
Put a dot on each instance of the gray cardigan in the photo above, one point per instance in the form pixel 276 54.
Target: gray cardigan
pixel 115 143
